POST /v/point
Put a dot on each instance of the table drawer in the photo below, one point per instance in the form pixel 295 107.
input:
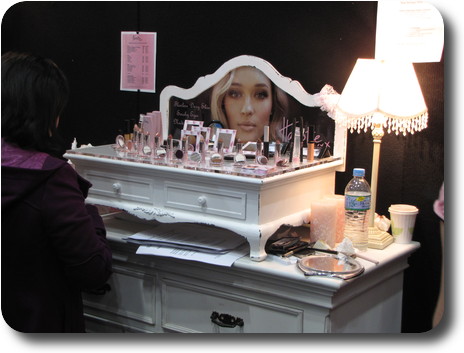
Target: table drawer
pixel 188 308
pixel 121 187
pixel 214 201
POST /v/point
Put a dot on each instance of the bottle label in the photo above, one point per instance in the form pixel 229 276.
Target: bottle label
pixel 357 203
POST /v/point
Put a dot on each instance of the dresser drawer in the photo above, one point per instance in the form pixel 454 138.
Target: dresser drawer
pixel 129 303
pixel 121 187
pixel 188 308
pixel 213 200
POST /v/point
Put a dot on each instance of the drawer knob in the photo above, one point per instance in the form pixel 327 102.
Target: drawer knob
pixel 202 200
pixel 117 188
pixel 226 320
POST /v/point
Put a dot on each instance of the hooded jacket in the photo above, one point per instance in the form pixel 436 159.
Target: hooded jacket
pixel 53 244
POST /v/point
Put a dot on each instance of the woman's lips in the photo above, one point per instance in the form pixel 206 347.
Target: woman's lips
pixel 247 127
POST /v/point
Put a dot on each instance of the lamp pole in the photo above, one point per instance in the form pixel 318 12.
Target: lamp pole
pixel 377 134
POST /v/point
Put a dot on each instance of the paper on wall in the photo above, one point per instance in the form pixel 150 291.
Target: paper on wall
pixel 409 30
pixel 138 61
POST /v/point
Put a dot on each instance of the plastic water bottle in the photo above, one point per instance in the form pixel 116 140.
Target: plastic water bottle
pixel 357 206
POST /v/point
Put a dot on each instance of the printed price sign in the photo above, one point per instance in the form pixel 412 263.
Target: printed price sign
pixel 138 61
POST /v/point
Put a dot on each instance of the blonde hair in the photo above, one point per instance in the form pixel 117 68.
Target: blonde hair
pixel 279 105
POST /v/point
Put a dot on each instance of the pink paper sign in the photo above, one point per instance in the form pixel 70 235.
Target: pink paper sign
pixel 138 61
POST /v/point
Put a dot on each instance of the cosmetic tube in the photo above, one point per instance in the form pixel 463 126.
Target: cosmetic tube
pixel 259 157
pixel 292 140
pixel 259 148
pixel 310 152
pixel 147 147
pixel 277 151
pixel 203 147
pixel 266 142
pixel 169 148
pixel 185 150
pixel 296 146
pixel 239 157
pixel 302 132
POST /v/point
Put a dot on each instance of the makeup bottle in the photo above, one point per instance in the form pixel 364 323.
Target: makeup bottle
pixel 302 134
pixel 277 150
pixel 197 156
pixel 169 149
pixel 239 157
pixel 159 152
pixel 266 142
pixel 120 143
pixel 185 145
pixel 259 157
pixel 203 149
pixel 217 158
pixel 292 140
pixel 136 138
pixel 130 147
pixel 178 152
pixel 279 161
pixel 132 144
pixel 310 152
pixel 296 147
pixel 146 148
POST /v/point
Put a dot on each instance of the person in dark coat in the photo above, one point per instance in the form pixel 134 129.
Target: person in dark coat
pixel 53 244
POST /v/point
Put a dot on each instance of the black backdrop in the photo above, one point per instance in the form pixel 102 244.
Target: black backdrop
pixel 316 43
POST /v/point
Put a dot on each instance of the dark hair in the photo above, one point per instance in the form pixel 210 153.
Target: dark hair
pixel 34 94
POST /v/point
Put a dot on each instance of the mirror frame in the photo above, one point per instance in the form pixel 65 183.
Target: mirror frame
pixel 291 87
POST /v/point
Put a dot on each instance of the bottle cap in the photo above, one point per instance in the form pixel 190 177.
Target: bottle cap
pixel 359 172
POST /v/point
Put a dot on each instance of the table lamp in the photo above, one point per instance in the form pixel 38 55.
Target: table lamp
pixel 381 95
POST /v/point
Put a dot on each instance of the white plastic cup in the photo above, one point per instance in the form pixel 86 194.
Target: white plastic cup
pixel 403 219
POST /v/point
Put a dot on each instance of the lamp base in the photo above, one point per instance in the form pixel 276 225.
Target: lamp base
pixel 378 239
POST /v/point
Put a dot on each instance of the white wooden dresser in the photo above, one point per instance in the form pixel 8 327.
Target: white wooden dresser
pixel 158 294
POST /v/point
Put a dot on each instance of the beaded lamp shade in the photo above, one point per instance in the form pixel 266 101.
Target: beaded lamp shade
pixel 382 92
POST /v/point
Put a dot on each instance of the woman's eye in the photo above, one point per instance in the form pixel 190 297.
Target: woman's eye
pixel 233 93
pixel 262 95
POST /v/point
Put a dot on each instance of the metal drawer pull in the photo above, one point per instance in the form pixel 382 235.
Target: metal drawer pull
pixel 226 320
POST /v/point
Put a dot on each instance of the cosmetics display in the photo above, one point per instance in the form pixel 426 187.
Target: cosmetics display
pixel 194 152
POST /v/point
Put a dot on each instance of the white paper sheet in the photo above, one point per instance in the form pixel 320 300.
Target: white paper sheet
pixel 190 236
pixel 222 259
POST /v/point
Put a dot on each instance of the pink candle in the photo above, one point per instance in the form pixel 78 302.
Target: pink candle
pixel 324 221
pixel 340 230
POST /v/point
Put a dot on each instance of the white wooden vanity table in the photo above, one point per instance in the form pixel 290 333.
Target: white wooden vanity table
pixel 161 295
pixel 253 207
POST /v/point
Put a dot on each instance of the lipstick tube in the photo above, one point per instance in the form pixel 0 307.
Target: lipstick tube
pixel 266 142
